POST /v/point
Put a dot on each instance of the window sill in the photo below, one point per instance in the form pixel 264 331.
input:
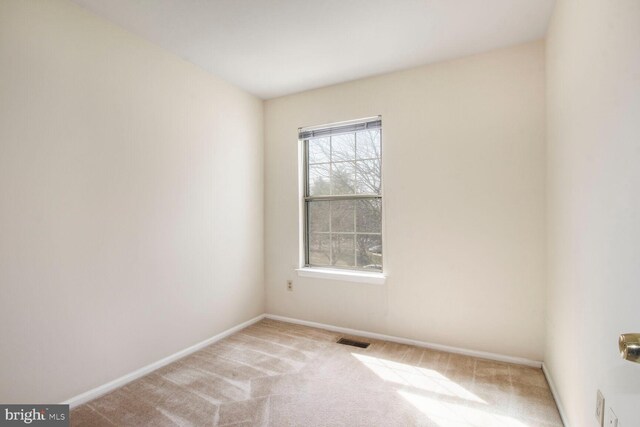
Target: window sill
pixel 343 275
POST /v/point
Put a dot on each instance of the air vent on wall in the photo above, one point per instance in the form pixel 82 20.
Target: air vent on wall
pixel 347 341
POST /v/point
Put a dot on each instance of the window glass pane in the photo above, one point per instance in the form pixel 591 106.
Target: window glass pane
pixel 344 233
pixel 369 216
pixel 318 182
pixel 368 144
pixel 318 214
pixel 368 176
pixel 369 251
pixel 319 246
pixel 343 178
pixel 343 216
pixel 343 250
pixel 319 150
pixel 343 147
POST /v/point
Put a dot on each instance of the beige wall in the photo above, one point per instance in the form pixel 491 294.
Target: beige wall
pixel 593 73
pixel 131 221
pixel 464 207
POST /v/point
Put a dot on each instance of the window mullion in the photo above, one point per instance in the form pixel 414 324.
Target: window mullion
pixel 330 234
pixel 342 197
pixel 355 233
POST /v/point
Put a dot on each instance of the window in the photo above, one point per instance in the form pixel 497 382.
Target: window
pixel 343 195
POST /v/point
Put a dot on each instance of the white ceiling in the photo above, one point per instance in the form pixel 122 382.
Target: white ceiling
pixel 277 47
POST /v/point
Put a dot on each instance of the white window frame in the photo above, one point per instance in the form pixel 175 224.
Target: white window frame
pixel 341 273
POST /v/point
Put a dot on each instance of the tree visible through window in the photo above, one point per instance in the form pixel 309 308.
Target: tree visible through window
pixel 343 195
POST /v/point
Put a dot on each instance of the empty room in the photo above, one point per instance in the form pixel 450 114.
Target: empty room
pixel 320 213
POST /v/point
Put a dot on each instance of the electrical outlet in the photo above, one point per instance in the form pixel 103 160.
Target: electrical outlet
pixel 290 285
pixel 600 409
pixel 612 419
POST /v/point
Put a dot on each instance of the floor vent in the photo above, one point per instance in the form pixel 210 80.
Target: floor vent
pixel 347 341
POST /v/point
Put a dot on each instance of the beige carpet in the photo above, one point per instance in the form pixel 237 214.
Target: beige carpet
pixel 278 374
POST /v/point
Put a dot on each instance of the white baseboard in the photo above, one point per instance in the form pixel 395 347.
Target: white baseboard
pixel 440 347
pixel 556 396
pixel 119 382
